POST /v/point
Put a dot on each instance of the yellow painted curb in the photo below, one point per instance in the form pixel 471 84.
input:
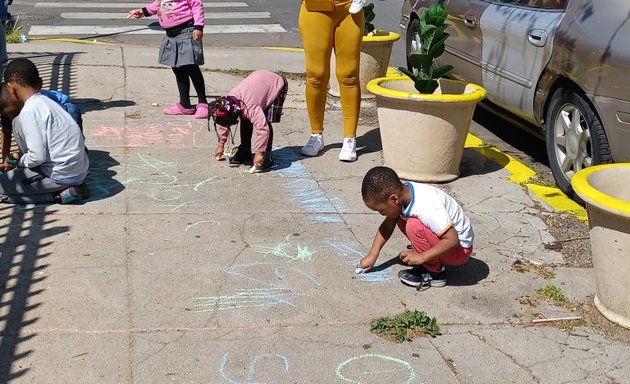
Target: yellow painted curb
pixel 592 195
pixel 374 86
pixel 558 200
pixel 69 40
pixel 391 71
pixel 288 49
pixel 519 173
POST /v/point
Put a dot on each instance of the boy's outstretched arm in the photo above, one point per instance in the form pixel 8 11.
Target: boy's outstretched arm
pixel 448 242
pixel 383 234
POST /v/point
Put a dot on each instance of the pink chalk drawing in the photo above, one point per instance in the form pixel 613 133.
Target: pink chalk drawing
pixel 173 134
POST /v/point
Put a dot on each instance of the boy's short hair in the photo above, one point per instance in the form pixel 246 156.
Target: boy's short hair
pixel 23 72
pixel 379 183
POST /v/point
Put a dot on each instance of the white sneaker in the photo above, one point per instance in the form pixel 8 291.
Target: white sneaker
pixel 357 6
pixel 314 146
pixel 349 150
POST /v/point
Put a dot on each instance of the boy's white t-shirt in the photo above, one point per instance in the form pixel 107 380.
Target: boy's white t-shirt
pixel 50 139
pixel 439 212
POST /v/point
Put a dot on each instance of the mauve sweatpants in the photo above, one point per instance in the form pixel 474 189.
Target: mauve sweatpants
pixel 422 238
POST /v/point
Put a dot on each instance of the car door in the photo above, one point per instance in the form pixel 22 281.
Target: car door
pixel 463 47
pixel 517 45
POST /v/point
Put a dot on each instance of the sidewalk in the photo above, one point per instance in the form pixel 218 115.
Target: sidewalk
pixel 182 270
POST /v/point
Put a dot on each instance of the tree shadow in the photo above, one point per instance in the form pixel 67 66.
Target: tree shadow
pixel 100 180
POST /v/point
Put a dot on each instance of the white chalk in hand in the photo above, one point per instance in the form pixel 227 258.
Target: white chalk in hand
pixel 359 270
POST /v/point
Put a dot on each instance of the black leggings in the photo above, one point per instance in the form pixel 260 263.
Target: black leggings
pixel 247 131
pixel 182 76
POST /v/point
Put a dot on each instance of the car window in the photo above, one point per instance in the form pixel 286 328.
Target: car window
pixel 546 4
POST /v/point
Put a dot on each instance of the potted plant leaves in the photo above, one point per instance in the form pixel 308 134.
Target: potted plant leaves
pixel 424 118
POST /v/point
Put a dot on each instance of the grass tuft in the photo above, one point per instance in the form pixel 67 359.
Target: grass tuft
pixel 406 325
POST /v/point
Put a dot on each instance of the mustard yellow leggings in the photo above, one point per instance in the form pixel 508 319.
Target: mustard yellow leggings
pixel 321 33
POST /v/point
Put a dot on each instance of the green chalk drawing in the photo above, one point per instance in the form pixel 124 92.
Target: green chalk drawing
pixel 405 366
pixel 202 222
pixel 302 253
pixel 246 298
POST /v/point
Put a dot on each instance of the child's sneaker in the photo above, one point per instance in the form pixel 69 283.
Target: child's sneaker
pixel 356 6
pixel 73 194
pixel 419 277
pixel 349 149
pixel 239 157
pixel 178 109
pixel 314 146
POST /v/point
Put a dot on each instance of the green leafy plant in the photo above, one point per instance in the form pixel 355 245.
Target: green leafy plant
pixel 404 326
pixel 431 31
pixel 554 293
pixel 368 11
pixel 13 30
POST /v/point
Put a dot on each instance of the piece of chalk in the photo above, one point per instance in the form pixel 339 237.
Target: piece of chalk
pixel 359 270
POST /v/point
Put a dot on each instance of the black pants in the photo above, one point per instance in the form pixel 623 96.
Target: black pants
pixel 247 131
pixel 183 75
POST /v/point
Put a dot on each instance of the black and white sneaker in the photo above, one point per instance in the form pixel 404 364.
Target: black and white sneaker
pixel 420 278
pixel 239 157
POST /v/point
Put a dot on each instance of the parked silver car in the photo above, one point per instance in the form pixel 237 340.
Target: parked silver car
pixel 562 66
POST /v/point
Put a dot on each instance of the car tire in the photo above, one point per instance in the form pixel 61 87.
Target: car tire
pixel 412 38
pixel 575 137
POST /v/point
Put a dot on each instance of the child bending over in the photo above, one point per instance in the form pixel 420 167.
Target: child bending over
pixel 257 101
pixel 52 163
pixel 438 229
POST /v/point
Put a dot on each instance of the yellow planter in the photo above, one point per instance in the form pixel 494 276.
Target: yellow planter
pixel 606 191
pixel 423 135
pixel 375 53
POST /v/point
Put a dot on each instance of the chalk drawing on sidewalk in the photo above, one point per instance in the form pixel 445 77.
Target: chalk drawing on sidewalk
pixel 192 225
pixel 173 134
pixel 276 274
pixel 304 189
pixel 373 368
pixel 164 184
pixel 353 256
pixel 301 254
pixel 246 298
pixel 251 371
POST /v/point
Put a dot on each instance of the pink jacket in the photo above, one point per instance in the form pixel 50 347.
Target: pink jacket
pixel 257 91
pixel 172 13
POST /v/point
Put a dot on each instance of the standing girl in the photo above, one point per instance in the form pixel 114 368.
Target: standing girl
pixel 181 49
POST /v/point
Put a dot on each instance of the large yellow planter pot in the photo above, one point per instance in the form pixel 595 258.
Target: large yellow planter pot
pixel 606 191
pixel 375 53
pixel 423 135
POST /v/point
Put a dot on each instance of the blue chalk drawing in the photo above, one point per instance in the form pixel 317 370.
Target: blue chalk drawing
pixel 251 372
pixel 302 253
pixel 354 256
pixel 304 189
pixel 405 366
pixel 253 272
pixel 246 298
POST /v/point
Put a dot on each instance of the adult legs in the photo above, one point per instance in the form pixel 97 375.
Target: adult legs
pixel 317 29
pixel 422 239
pixel 347 41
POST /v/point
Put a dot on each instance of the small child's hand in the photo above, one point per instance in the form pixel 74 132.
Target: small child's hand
pixel 218 152
pixel 135 14
pixel 411 258
pixel 367 263
pixel 197 34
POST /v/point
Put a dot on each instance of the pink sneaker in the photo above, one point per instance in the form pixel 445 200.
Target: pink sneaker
pixel 201 111
pixel 177 109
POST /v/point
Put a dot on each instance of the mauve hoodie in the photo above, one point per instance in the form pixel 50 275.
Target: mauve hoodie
pixel 173 13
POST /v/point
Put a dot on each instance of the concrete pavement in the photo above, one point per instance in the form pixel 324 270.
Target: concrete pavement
pixel 182 270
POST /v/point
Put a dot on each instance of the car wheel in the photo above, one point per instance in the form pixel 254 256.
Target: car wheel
pixel 413 41
pixel 575 137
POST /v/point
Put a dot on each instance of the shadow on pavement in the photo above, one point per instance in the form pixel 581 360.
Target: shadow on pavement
pixel 23 238
pixel 101 179
pixel 475 163
pixel 87 105
pixel 470 273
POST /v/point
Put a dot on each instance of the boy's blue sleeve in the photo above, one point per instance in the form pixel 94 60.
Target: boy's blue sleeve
pixel 56 96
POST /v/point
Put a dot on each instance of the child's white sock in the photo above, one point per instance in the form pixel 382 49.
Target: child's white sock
pixel 357 6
